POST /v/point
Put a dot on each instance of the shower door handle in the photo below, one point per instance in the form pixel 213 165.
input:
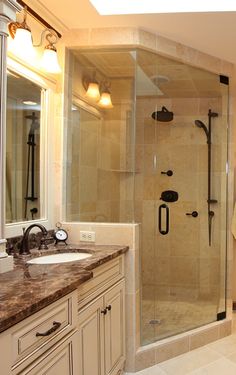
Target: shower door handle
pixel 161 208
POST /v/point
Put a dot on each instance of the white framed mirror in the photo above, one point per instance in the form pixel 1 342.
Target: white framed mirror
pixel 28 154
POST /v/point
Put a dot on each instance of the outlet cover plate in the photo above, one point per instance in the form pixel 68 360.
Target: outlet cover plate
pixel 87 236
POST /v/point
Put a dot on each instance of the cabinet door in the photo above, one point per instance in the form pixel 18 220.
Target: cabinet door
pixel 114 327
pixel 91 339
pixel 62 360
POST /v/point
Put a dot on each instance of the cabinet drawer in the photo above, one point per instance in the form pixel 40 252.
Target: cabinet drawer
pixel 41 329
pixel 61 359
pixel 103 277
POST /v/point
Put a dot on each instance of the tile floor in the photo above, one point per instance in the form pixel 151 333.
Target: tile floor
pixel 217 358
pixel 175 317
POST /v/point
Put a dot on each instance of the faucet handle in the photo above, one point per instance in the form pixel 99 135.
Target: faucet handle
pixel 43 240
pixel 43 245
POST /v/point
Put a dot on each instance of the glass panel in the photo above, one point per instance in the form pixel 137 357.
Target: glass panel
pixel 183 234
pixel 100 160
pixel 183 275
pixel 22 149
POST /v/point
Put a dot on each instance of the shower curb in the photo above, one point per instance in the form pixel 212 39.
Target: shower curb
pixel 174 346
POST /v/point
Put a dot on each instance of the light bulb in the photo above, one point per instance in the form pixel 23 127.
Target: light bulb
pixel 49 60
pixel 93 91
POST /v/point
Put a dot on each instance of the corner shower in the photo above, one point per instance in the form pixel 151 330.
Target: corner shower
pixel 145 161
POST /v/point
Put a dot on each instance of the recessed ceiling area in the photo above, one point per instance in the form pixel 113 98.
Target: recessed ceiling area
pixel 213 33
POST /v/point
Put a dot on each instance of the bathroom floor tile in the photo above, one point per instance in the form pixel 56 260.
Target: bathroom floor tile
pixel 221 367
pixel 154 370
pixel 225 346
pixel 189 362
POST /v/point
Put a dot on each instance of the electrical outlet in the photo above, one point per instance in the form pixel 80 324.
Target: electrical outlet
pixel 87 236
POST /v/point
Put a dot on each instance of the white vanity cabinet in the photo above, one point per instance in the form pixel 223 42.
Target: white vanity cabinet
pixel 83 333
pixel 44 343
pixel 101 323
pixel 60 360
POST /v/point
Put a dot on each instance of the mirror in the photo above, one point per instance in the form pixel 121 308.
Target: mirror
pixel 23 123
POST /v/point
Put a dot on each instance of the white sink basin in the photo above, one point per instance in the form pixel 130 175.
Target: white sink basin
pixel 59 258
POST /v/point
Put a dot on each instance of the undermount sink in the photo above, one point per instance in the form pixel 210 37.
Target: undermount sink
pixel 59 258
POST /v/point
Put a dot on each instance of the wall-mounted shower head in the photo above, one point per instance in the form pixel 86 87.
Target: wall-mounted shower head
pixel 35 124
pixel 164 115
pixel 201 125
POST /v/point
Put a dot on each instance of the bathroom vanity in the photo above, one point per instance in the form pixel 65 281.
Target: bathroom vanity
pixel 80 332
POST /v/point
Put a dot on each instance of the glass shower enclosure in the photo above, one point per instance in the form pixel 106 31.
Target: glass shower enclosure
pixel 157 158
pixel 181 195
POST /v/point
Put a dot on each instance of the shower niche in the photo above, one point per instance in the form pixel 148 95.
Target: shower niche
pixel 160 161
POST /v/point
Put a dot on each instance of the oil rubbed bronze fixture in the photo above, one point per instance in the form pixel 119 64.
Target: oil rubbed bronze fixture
pixel 24 247
pixel 22 41
pixel 163 116
pixel 210 201
pixel 30 182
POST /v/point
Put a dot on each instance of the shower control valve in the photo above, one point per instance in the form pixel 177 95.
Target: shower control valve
pixel 193 214
pixel 168 173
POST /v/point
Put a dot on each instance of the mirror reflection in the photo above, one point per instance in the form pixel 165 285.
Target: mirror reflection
pixel 22 149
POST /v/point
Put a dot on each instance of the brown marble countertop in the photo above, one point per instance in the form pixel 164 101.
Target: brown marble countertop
pixel 29 288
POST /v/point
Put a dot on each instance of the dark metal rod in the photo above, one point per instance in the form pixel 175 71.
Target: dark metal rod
pixel 27 182
pixel 38 17
pixel 209 199
pixel 209 177
pixel 32 165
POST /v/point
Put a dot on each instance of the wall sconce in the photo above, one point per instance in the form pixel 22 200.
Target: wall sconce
pixel 22 44
pixel 93 92
pixel 105 100
pixel 92 88
pixel 49 60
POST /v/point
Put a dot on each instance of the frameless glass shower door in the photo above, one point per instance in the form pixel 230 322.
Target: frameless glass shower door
pixel 157 158
pixel 180 195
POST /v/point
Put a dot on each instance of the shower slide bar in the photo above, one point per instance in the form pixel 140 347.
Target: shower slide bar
pixel 210 201
pixel 209 198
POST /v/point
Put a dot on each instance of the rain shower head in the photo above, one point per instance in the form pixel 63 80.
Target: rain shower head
pixel 35 124
pixel 164 115
pixel 200 124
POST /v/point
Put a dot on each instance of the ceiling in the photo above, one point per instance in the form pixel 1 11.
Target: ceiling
pixel 20 89
pixel 155 75
pixel 213 33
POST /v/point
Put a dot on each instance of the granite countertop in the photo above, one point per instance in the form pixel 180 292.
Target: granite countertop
pixel 29 288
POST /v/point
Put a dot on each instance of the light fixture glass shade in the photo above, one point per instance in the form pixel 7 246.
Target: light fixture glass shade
pixel 93 92
pixel 105 100
pixel 22 45
pixel 49 61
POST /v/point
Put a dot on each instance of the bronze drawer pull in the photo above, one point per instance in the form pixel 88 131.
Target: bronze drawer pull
pixel 108 307
pixel 56 325
pixel 104 311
